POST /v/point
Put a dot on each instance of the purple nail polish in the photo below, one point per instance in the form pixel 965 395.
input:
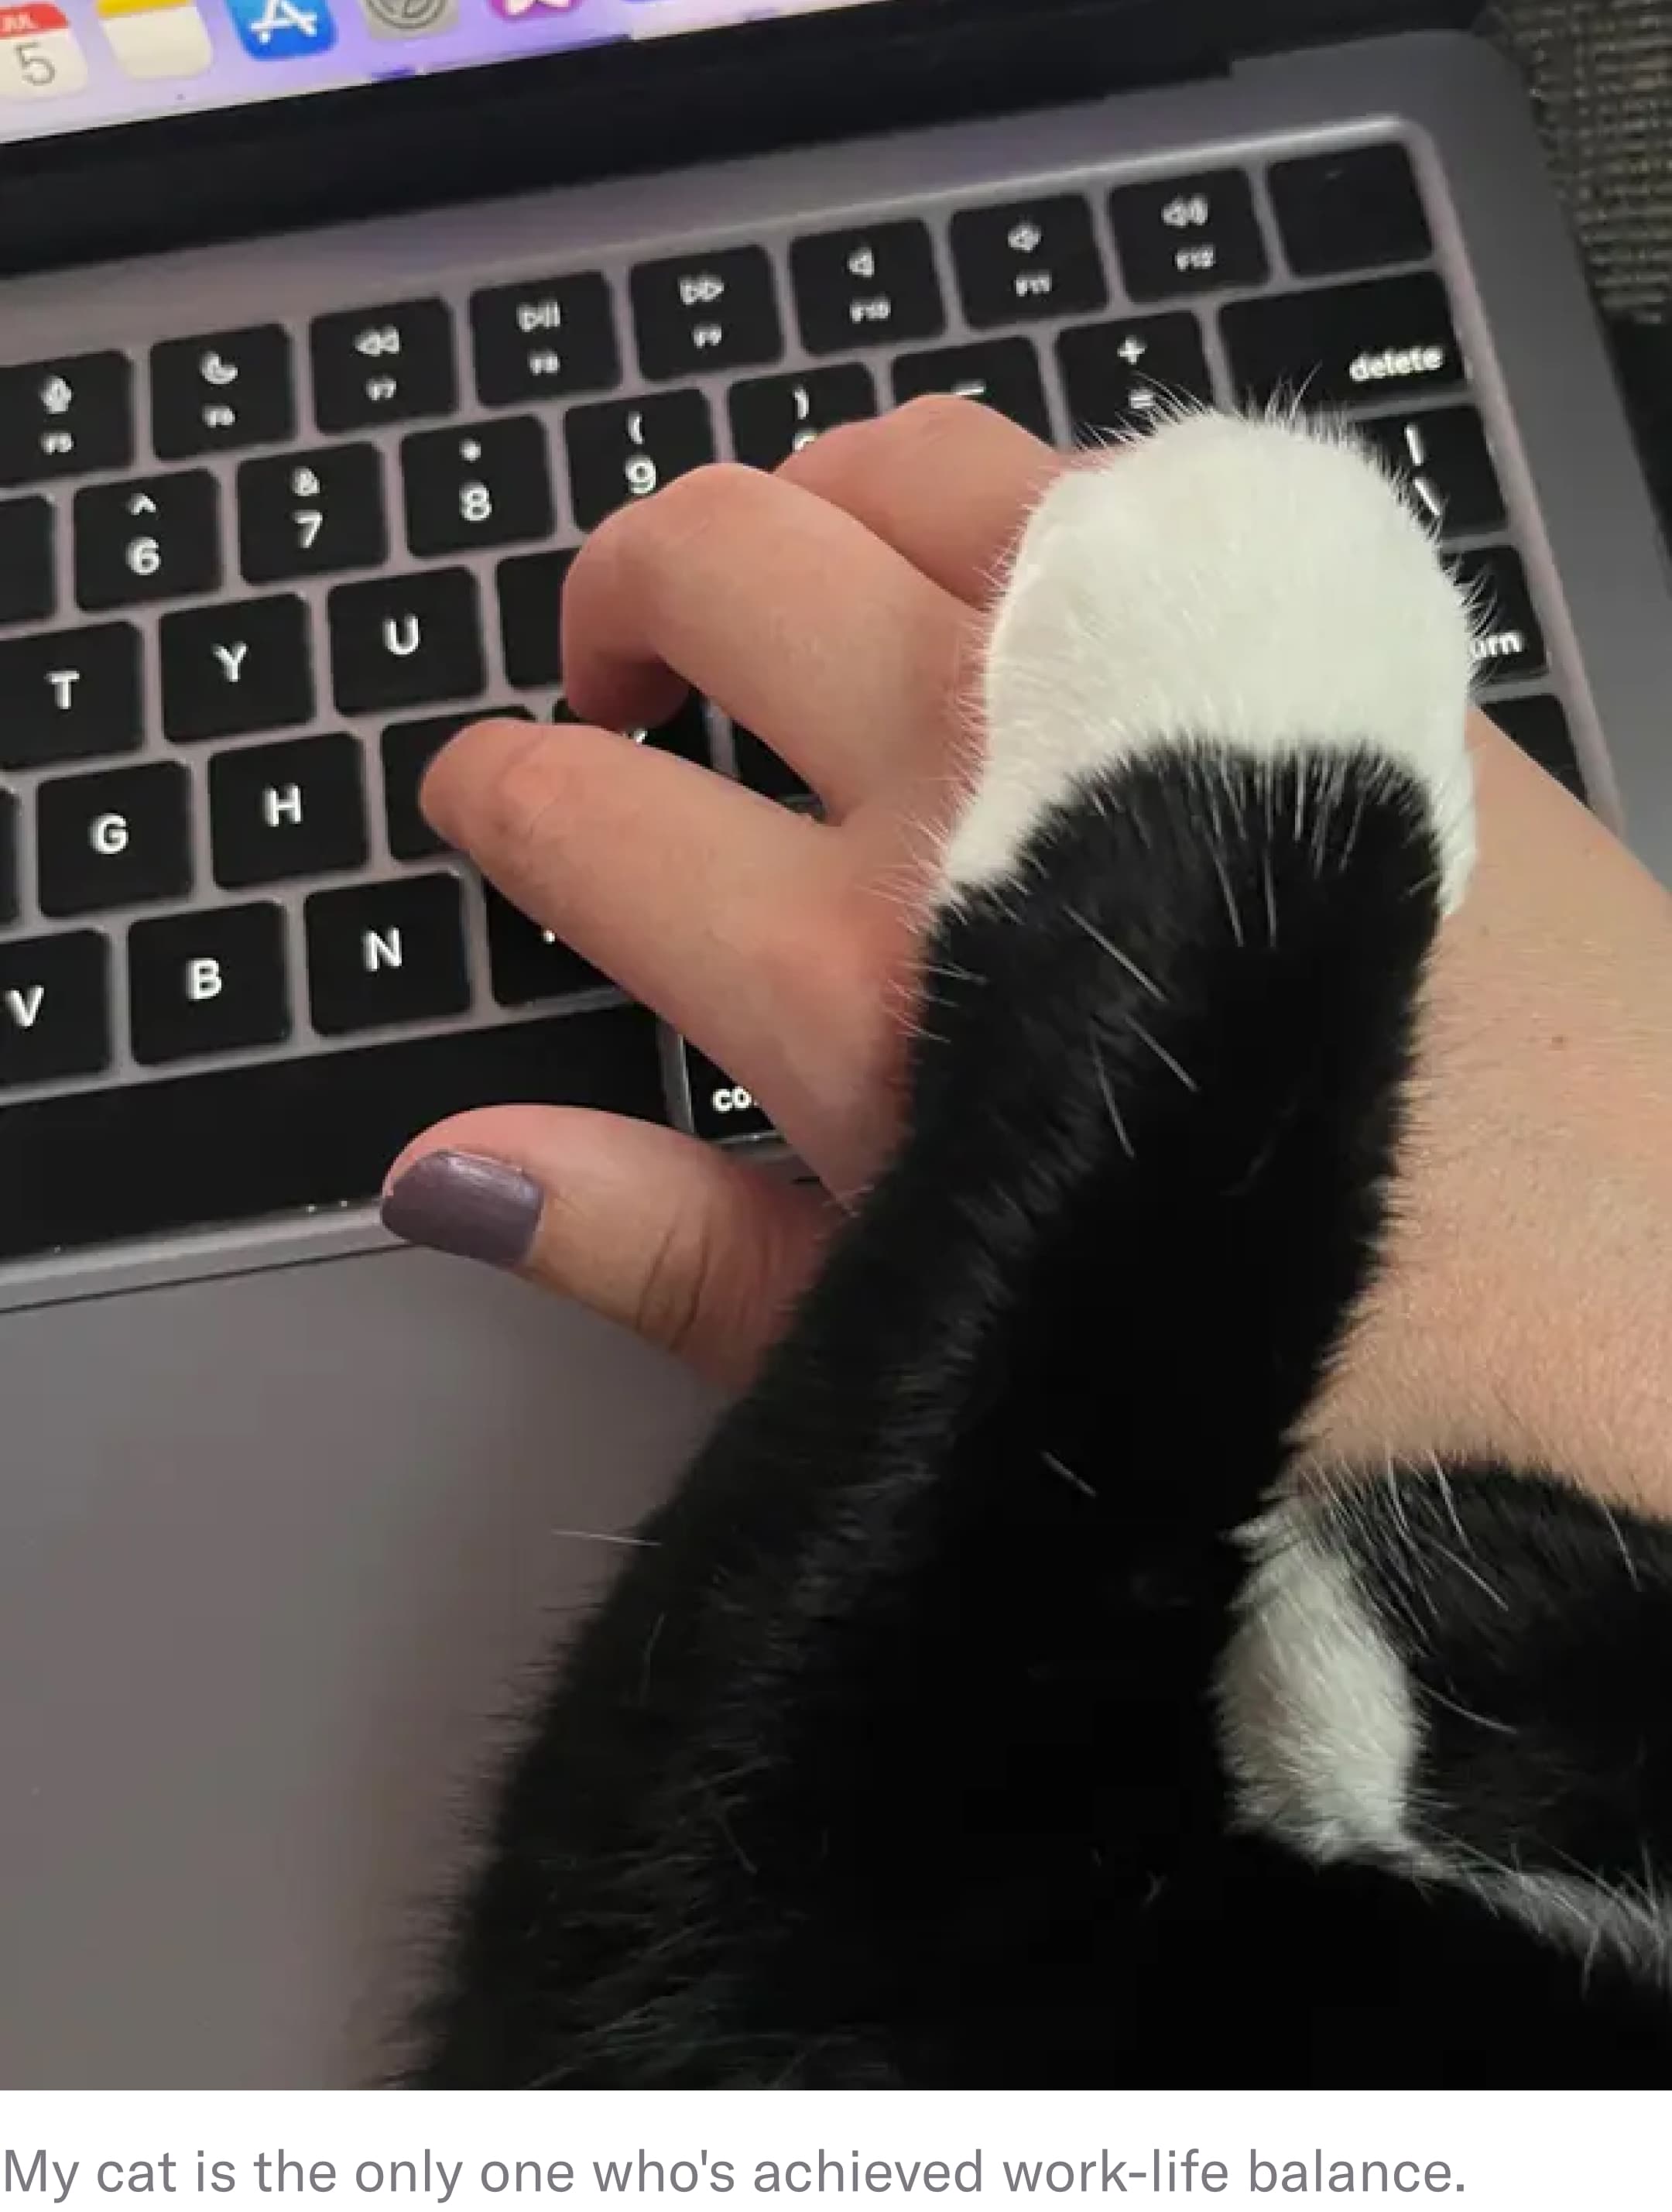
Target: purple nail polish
pixel 456 1202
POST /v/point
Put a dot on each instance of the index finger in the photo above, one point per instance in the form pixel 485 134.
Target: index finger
pixel 946 482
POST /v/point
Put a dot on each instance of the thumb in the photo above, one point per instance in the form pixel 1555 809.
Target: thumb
pixel 691 1249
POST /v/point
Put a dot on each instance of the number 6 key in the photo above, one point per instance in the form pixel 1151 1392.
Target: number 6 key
pixel 158 538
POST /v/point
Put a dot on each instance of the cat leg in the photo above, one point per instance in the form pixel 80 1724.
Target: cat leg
pixel 1224 804
pixel 1457 1672
pixel 897 1721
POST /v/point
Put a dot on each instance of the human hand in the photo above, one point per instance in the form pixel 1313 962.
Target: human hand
pixel 837 608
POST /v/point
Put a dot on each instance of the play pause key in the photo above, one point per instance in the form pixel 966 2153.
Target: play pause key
pixel 544 340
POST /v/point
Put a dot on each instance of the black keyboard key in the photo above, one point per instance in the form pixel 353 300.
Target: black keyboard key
pixel 1539 727
pixel 531 617
pixel 54 1022
pixel 685 734
pixel 1003 374
pixel 1188 234
pixel 231 388
pixel 773 416
pixel 383 365
pixel 1127 375
pixel 528 963
pixel 206 982
pixel 405 640
pixel 28 590
pixel 1036 258
pixel 546 339
pixel 69 695
pixel 628 449
pixel 244 665
pixel 407 750
pixel 116 839
pixel 317 1131
pixel 386 952
pixel 721 1110
pixel 8 857
pixel 1357 209
pixel 312 513
pixel 1508 641
pixel 158 538
pixel 761 769
pixel 297 809
pixel 62 418
pixel 1440 455
pixel 705 311
pixel 487 485
pixel 871 287
pixel 1352 344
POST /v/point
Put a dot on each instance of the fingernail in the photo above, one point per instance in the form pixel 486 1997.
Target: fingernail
pixel 456 1202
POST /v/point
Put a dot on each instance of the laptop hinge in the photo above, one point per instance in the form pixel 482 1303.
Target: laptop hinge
pixel 1272 25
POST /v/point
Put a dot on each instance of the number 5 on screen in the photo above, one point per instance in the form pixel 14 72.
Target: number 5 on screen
pixel 40 57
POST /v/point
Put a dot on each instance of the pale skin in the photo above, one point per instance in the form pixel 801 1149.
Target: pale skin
pixel 837 608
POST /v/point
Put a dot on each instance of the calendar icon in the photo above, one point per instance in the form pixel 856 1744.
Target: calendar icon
pixel 40 56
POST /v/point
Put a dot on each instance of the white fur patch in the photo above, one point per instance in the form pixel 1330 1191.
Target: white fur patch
pixel 1322 1738
pixel 1251 583
pixel 1320 1733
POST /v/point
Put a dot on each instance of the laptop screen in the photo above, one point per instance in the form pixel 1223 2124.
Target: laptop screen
pixel 69 65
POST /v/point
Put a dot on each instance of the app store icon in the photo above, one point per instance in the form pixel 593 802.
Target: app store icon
pixel 282 30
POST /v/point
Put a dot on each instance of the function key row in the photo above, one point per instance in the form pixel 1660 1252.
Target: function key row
pixel 555 336
pixel 489 485
pixel 322 511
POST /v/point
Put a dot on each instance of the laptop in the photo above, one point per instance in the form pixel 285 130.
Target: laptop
pixel 327 330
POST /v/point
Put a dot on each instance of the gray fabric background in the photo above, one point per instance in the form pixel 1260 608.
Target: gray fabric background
pixel 1601 71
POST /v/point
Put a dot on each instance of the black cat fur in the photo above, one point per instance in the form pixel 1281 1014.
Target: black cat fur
pixel 988 1707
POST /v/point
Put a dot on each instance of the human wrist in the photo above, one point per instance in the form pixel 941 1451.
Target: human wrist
pixel 1523 1308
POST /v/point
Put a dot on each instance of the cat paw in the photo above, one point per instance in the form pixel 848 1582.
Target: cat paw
pixel 1252 585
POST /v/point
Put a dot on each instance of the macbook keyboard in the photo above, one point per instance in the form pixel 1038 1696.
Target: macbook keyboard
pixel 251 580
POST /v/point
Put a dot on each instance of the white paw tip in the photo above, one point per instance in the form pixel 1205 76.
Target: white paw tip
pixel 1260 583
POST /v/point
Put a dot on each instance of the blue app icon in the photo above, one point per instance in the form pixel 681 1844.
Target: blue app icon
pixel 282 30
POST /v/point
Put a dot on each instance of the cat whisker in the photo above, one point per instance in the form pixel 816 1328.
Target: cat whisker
pixel 725 1828
pixel 650 1642
pixel 1466 1713
pixel 1163 1055
pixel 1123 959
pixel 1075 1481
pixel 1478 1579
pixel 1218 859
pixel 1271 900
pixel 1116 1118
pixel 1619 1535
pixel 605 1536
pixel 1443 1480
